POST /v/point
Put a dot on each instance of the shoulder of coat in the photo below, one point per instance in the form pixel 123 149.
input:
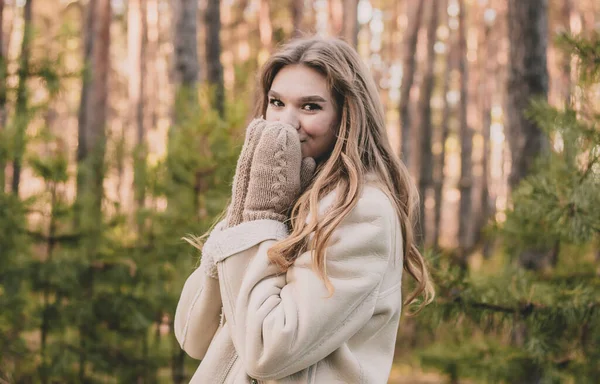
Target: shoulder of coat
pixel 373 202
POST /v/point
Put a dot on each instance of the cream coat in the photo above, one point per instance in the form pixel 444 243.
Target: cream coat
pixel 283 328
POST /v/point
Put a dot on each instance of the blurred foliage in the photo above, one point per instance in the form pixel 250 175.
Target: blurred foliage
pixel 503 323
pixel 74 289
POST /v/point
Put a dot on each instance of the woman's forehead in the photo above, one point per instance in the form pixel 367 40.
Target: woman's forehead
pixel 299 81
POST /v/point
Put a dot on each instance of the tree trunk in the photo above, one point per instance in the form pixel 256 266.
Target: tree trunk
pixel 85 90
pixel 445 128
pixel 186 77
pixel 21 112
pixel 350 23
pixel 212 19
pixel 310 19
pixel 297 14
pixel 239 42
pixel 265 28
pixel 587 16
pixel 186 62
pixel 2 80
pixel 528 78
pixel 137 48
pixel 1 28
pixel 141 105
pixel 134 49
pixel 186 51
pixel 487 47
pixel 466 138
pixel 3 66
pixel 424 117
pixel 408 72
pixel 92 143
pixel 152 70
pixel 565 83
pixel 8 30
pixel 336 17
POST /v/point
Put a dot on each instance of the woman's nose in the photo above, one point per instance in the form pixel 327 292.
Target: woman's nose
pixel 290 118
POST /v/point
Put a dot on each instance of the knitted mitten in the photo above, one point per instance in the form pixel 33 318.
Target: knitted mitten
pixel 277 174
pixel 242 173
pixel 240 187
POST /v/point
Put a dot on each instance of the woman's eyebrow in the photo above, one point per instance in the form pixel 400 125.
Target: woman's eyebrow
pixel 304 99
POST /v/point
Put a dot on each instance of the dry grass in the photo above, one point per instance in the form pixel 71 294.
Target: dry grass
pixel 405 374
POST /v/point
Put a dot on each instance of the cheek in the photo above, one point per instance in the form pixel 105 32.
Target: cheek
pixel 322 138
pixel 318 127
pixel 269 115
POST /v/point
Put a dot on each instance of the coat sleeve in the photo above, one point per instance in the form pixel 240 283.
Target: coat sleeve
pixel 283 323
pixel 199 311
pixel 197 316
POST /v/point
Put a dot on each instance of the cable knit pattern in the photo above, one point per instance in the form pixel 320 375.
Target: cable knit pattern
pixel 242 172
pixel 277 173
pixel 281 180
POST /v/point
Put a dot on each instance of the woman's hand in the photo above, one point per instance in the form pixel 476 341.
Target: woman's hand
pixel 240 187
pixel 269 176
pixel 277 173
pixel 242 173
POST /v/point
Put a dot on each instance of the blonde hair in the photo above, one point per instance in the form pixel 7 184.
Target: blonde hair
pixel 362 146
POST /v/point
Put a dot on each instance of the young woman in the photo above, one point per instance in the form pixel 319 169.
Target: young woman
pixel 301 282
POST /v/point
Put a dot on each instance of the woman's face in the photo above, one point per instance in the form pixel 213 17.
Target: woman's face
pixel 300 98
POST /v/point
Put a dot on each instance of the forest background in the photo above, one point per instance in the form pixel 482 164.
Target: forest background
pixel 120 126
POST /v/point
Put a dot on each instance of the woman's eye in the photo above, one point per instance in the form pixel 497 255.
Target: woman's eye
pixel 311 107
pixel 275 102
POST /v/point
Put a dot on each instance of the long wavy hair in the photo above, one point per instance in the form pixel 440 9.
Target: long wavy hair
pixel 362 147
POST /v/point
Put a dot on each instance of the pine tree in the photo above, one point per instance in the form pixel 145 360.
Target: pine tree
pixel 13 299
pixel 539 326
